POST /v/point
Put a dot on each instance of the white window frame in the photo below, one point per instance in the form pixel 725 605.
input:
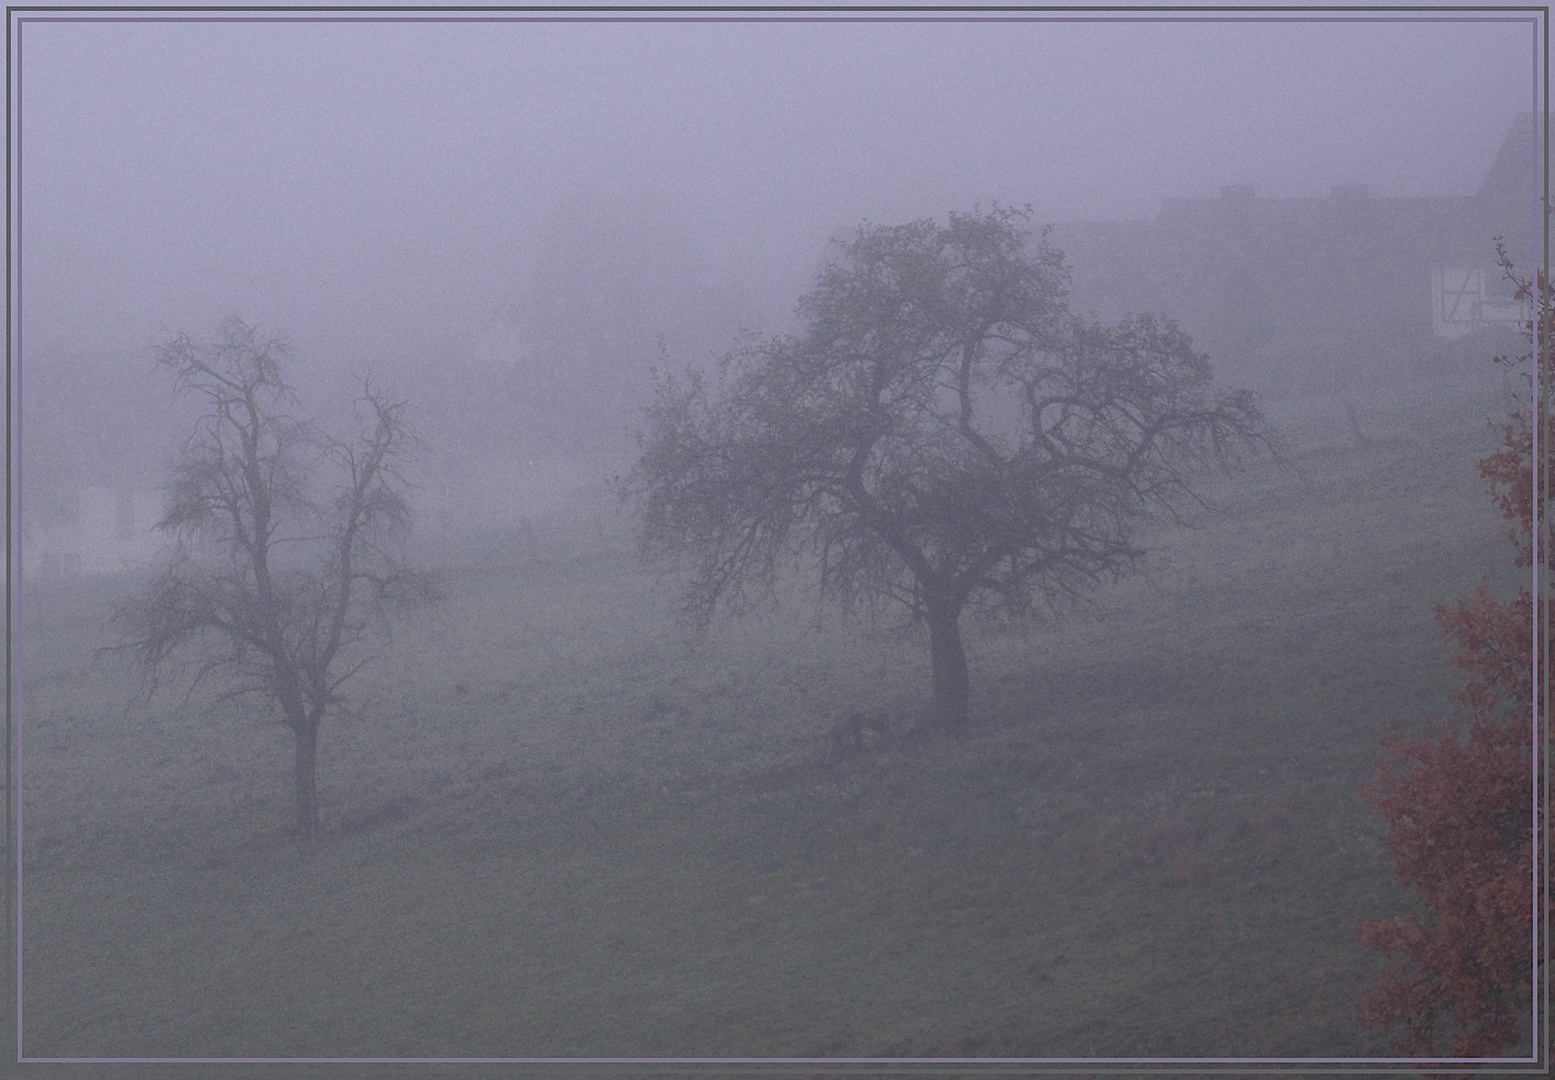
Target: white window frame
pixel 1461 301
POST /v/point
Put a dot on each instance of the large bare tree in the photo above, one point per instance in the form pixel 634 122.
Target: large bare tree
pixel 283 532
pixel 943 432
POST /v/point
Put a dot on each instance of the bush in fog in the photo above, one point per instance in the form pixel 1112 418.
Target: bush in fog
pixel 943 433
pixel 283 558
pixel 1461 812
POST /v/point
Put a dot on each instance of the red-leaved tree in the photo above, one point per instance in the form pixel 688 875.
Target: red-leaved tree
pixel 1461 811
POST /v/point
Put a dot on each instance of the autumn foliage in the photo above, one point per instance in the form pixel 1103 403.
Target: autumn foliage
pixel 1461 810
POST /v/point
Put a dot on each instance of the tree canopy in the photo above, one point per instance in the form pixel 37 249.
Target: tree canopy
pixel 942 432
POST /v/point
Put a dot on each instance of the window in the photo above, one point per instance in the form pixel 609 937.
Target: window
pixel 1467 298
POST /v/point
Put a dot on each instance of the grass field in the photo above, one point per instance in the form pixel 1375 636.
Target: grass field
pixel 561 826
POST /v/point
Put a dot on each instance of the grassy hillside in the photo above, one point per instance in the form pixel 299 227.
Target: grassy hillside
pixel 561 825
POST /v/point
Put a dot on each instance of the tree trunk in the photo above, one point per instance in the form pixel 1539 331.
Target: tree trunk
pixel 306 769
pixel 951 684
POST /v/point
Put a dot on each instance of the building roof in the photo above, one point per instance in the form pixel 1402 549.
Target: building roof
pixel 1514 174
pixel 1253 278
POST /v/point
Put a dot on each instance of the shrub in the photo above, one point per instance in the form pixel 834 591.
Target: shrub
pixel 1461 811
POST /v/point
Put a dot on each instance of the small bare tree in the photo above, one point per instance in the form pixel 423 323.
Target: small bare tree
pixel 281 562
pixel 943 433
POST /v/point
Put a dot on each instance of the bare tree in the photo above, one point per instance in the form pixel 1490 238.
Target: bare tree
pixel 282 559
pixel 943 433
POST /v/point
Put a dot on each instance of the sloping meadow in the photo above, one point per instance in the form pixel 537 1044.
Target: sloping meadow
pixel 561 823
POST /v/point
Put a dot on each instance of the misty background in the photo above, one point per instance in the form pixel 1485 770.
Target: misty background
pixel 510 221
pixel 552 821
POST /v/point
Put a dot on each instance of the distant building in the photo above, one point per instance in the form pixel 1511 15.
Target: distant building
pixel 68 533
pixel 96 431
pixel 1317 295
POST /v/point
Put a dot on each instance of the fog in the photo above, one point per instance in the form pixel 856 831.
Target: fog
pixel 502 216
pixel 545 815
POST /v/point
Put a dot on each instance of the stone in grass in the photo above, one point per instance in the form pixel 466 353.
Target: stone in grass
pixel 859 734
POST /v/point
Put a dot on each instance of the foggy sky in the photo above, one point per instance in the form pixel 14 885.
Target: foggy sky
pixel 381 188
